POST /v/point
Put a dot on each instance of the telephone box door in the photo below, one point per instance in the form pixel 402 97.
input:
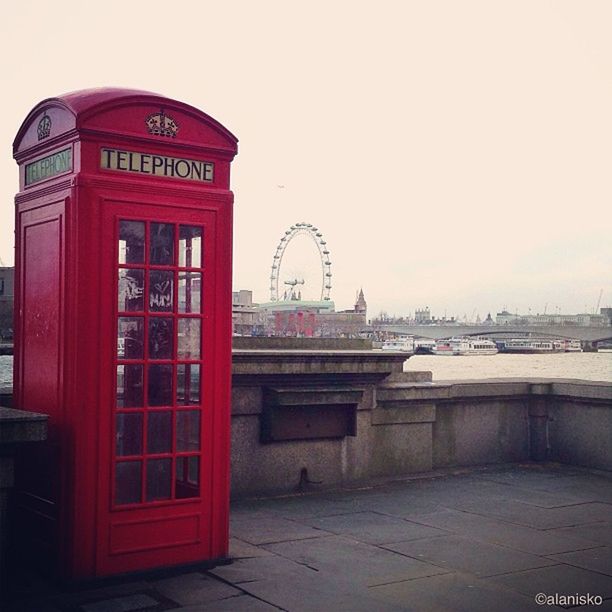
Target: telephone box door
pixel 160 407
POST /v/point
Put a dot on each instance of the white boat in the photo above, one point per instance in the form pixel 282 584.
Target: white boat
pixel 531 345
pixel 403 344
pixel 572 346
pixel 465 346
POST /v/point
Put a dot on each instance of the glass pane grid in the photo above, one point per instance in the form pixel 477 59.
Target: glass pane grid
pixel 158 407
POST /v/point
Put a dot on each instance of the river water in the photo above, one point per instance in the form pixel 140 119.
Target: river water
pixel 586 366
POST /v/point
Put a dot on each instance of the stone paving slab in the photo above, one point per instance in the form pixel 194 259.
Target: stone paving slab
pixel 561 481
pixel 273 567
pixel 242 603
pixel 455 592
pixel 596 559
pixel 599 533
pixel 479 541
pixel 606 606
pixel 468 555
pixel 536 517
pixel 374 528
pixel 294 508
pixel 194 588
pixel 345 559
pixel 265 530
pixel 238 549
pixel 513 536
pixel 557 579
pixel 282 582
pixel 397 504
pixel 126 603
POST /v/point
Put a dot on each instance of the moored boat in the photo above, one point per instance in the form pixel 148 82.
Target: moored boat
pixel 531 345
pixel 405 344
pixel 465 346
pixel 423 346
pixel 572 346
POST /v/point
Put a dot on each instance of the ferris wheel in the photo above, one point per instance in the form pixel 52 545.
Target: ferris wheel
pixel 317 237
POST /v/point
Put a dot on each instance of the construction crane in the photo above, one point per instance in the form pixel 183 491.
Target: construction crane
pixel 598 301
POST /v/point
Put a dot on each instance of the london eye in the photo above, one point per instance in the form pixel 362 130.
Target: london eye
pixel 317 237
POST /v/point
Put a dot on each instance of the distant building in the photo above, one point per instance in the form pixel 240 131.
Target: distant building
pixel 606 312
pixel 422 316
pixel 361 305
pixel 7 296
pixel 570 320
pixel 302 318
pixel 247 318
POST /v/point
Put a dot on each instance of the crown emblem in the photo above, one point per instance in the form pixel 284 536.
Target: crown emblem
pixel 44 127
pixel 161 124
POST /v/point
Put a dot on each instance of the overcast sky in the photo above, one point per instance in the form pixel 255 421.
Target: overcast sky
pixel 454 154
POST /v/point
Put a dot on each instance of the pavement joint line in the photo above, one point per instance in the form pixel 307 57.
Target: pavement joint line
pixel 485 541
pixel 303 564
pixel 572 525
pixel 580 567
pixel 513 522
pixel 422 560
pixel 429 537
pixel 247 593
pixel 537 567
pixel 373 586
pixel 326 534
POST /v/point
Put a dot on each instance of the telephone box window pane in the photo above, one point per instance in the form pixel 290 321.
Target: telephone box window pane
pixel 160 338
pixel 188 430
pixel 162 244
pixel 188 384
pixel 129 386
pixel 189 292
pixel 159 432
pixel 159 478
pixel 187 477
pixel 130 338
pixel 129 434
pixel 128 482
pixel 131 242
pixel 160 385
pixel 189 338
pixel 161 290
pixel 131 290
pixel 190 246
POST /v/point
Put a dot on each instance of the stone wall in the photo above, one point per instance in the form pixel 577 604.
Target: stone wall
pixel 308 419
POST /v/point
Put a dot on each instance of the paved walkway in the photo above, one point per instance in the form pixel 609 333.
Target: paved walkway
pixel 487 539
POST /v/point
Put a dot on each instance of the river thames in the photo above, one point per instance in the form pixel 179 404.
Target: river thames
pixel 586 366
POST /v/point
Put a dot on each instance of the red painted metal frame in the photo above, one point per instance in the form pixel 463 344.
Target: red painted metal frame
pixel 87 535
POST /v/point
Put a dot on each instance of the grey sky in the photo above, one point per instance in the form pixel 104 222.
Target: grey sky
pixel 455 154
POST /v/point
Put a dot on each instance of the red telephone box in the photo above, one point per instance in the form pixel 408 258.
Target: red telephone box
pixel 123 330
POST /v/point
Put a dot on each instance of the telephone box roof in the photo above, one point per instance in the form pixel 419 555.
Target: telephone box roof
pixel 86 103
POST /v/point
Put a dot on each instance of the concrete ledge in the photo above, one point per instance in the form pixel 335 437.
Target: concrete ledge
pixel 400 392
pixel 301 344
pixel 18 426
pixel 582 390
pixel 416 412
pixel 273 363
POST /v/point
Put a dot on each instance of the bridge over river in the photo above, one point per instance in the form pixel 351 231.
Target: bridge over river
pixel 437 332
